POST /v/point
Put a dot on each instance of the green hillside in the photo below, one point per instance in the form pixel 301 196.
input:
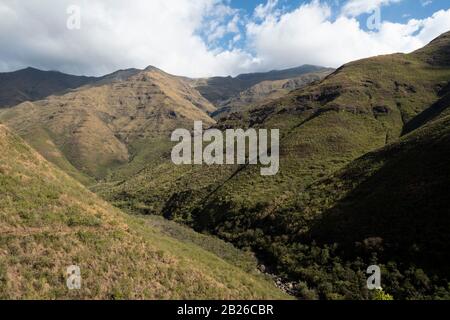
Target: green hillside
pixel 397 194
pixel 389 207
pixel 362 181
pixel 114 126
pixel 48 221
pixel 266 91
pixel 363 106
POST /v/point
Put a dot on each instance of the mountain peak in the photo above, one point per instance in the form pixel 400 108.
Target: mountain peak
pixel 28 70
pixel 153 68
pixel 437 52
pixel 38 71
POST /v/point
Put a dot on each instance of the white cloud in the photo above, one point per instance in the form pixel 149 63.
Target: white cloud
pixel 310 35
pixel 170 34
pixel 262 11
pixel 117 34
pixel 232 26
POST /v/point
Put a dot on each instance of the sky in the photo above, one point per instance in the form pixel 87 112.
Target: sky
pixel 200 38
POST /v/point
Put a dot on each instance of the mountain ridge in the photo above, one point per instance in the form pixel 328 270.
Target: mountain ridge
pixel 218 89
pixel 363 106
pixel 351 145
pixel 93 127
pixel 34 84
pixel 267 90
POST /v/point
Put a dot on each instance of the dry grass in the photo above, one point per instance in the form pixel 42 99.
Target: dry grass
pixel 93 128
pixel 48 221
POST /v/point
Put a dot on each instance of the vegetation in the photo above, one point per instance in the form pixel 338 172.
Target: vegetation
pixel 266 91
pixel 363 179
pixel 48 221
pixel 31 84
pixel 111 124
pixel 381 295
pixel 219 89
pixel 301 223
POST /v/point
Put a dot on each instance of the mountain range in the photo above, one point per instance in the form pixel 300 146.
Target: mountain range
pixel 117 122
pixel 218 89
pixel 362 176
pixel 268 90
pixel 31 84
pixel 325 129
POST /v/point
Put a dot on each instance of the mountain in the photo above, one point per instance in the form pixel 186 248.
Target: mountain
pixel 361 178
pixel 266 91
pixel 219 89
pixel 381 103
pixel 49 222
pixel 389 207
pixel 123 119
pixel 32 84
pixel 118 123
pixel 437 53
pixel 397 194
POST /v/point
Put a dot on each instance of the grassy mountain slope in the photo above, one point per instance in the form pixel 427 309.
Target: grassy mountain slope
pixel 48 221
pixel 389 207
pixel 402 186
pixel 363 106
pixel 219 89
pixel 267 91
pixel 31 84
pixel 125 119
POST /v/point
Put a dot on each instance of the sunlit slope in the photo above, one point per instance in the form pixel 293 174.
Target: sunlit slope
pixel 220 89
pixel 266 91
pixel 48 221
pixel 364 106
pixel 361 107
pixel 117 122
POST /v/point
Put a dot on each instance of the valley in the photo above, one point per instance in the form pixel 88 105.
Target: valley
pixel 362 180
pixel 49 221
pixel 324 128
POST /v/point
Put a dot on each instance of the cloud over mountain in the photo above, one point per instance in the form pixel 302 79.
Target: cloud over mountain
pixel 310 34
pixel 198 38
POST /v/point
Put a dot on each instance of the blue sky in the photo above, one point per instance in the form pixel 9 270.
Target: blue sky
pixel 211 37
pixel 397 12
pixel 400 11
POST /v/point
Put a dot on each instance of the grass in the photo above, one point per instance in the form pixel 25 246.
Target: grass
pixel 244 260
pixel 355 188
pixel 325 127
pixel 389 207
pixel 361 107
pixel 50 221
pixel 101 128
